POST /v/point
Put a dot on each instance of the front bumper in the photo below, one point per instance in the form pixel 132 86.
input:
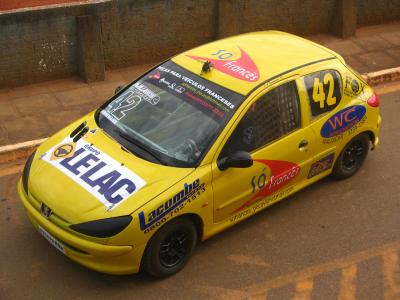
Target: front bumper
pixel 99 257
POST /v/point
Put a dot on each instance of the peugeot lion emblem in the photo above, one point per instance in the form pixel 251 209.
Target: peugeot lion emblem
pixel 45 210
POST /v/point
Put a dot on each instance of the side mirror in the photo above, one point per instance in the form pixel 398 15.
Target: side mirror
pixel 240 159
pixel 118 89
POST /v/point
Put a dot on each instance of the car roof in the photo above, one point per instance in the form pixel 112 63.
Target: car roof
pixel 243 62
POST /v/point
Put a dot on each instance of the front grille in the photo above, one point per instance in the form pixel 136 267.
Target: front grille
pixel 54 218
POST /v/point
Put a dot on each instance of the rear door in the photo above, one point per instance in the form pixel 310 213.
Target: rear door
pixel 321 93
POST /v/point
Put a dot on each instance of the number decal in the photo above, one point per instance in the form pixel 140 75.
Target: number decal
pixel 126 103
pixel 318 92
pixel 324 91
pixel 328 79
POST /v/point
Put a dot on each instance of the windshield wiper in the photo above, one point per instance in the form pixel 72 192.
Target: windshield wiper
pixel 141 145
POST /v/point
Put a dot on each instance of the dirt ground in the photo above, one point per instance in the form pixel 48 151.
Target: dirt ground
pixel 14 4
pixel 334 240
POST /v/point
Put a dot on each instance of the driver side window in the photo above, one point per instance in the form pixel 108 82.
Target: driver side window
pixel 271 117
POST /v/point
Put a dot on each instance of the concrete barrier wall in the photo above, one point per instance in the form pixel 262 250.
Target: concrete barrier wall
pixel 49 43
pixel 36 49
pixel 142 30
pixel 371 12
pixel 294 16
pixel 41 44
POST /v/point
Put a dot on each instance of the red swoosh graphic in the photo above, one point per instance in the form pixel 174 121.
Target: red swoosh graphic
pixel 243 68
pixel 282 172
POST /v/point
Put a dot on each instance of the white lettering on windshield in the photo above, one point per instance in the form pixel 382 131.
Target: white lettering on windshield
pixel 197 85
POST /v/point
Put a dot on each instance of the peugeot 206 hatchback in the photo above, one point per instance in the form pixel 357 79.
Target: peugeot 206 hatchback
pixel 195 145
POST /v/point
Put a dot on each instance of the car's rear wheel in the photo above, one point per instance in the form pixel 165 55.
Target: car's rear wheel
pixel 352 157
pixel 170 248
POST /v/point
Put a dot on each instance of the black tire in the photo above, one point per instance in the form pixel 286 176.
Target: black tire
pixel 352 157
pixel 170 248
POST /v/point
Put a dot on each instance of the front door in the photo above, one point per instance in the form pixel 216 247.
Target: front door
pixel 282 150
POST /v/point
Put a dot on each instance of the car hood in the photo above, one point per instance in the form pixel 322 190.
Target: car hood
pixel 95 178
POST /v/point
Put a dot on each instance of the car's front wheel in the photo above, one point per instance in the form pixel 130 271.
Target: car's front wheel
pixel 170 248
pixel 352 157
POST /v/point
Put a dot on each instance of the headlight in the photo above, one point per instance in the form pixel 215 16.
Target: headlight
pixel 25 173
pixel 104 227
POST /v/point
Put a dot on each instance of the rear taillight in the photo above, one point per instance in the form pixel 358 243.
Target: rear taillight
pixel 374 100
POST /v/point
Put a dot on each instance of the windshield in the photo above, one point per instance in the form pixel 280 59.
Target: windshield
pixel 169 116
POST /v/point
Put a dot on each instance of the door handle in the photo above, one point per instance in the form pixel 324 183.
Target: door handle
pixel 303 145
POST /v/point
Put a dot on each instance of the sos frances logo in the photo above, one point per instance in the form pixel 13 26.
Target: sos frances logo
pixel 282 173
pixel 242 68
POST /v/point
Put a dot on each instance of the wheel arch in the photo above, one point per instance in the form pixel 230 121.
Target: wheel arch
pixel 371 136
pixel 338 171
pixel 192 217
pixel 198 223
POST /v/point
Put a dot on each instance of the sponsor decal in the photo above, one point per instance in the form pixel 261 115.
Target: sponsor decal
pixel 320 166
pixel 63 151
pixel 342 121
pixel 96 172
pixel 179 89
pixel 170 79
pixel 172 85
pixel 242 68
pixel 156 75
pixel 282 173
pixel 346 133
pixel 353 87
pixel 215 101
pixel 191 84
pixel 145 93
pixel 172 206
pixel 117 110
pixel 261 204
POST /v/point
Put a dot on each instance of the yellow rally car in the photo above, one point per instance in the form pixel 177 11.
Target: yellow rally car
pixel 197 144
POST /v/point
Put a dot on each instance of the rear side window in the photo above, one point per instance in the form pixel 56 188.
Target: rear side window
pixel 274 115
pixel 324 91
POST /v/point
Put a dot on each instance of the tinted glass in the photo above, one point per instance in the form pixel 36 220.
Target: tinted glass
pixel 274 115
pixel 324 91
pixel 170 115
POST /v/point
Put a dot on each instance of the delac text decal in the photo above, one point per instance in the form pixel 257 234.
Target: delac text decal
pixel 343 121
pixel 242 68
pixel 95 171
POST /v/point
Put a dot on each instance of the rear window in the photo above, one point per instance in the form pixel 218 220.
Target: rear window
pixel 324 89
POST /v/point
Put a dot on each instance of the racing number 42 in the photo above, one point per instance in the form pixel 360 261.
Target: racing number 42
pixel 319 93
pixel 127 102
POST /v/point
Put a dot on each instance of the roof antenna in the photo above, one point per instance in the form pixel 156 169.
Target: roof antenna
pixel 207 65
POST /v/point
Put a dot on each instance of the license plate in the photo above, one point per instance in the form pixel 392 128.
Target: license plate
pixel 52 240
